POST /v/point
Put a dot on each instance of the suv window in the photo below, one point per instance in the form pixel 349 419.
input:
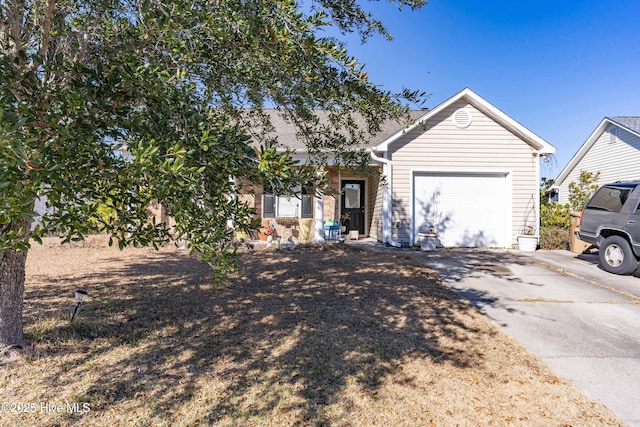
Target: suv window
pixel 610 198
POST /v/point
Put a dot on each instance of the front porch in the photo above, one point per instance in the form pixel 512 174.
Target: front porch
pixel 350 195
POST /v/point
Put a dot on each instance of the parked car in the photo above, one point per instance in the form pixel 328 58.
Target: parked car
pixel 611 221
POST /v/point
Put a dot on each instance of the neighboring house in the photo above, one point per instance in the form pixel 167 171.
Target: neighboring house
pixel 464 169
pixel 613 149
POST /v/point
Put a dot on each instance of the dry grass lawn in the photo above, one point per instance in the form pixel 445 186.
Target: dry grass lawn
pixel 327 335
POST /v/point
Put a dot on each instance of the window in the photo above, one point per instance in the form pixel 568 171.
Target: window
pixel 352 196
pixel 610 198
pixel 288 206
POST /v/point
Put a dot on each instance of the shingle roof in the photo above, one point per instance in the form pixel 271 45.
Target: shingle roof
pixel 631 122
pixel 286 130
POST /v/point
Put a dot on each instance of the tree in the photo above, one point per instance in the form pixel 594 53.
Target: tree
pixel 545 187
pixel 181 85
pixel 552 214
pixel 581 191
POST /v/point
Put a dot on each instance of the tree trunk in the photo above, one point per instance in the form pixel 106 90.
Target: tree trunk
pixel 12 275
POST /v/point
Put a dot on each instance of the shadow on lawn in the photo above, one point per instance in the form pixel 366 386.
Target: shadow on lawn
pixel 305 323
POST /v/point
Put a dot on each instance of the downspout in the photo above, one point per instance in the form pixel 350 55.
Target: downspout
pixel 387 170
pixel 537 199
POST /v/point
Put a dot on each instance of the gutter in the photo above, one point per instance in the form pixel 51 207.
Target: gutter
pixel 387 169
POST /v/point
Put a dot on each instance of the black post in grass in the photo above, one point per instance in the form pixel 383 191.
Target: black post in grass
pixel 81 295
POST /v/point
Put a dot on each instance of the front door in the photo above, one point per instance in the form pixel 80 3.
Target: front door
pixel 352 202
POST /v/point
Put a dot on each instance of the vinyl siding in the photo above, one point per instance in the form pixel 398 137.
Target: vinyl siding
pixel 376 194
pixel 482 146
pixel 617 161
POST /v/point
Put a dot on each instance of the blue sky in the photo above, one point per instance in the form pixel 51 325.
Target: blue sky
pixel 557 67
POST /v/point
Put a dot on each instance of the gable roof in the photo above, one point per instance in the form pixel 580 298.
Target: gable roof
pixel 287 130
pixel 541 146
pixel 629 123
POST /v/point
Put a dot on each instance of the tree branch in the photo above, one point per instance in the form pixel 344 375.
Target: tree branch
pixel 46 24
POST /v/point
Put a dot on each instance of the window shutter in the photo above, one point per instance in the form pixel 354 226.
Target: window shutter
pixel 307 206
pixel 268 206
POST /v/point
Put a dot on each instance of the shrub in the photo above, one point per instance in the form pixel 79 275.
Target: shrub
pixel 555 218
pixel 554 215
pixel 554 238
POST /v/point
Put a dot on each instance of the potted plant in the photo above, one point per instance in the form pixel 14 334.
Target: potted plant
pixel 242 236
pixel 428 238
pixel 344 222
pixel 527 239
pixel 306 226
pixel 433 222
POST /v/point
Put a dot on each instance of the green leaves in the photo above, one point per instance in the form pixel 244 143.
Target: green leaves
pixel 581 191
pixel 109 107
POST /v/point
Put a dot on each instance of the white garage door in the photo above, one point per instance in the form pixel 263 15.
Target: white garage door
pixel 467 209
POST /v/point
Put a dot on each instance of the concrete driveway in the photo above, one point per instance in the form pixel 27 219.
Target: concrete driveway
pixel 581 321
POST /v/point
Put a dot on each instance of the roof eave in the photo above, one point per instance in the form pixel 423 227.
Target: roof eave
pixel 623 126
pixel 597 132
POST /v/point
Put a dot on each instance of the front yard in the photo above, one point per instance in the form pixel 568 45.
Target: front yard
pixel 323 335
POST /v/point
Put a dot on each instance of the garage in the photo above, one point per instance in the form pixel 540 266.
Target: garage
pixel 470 209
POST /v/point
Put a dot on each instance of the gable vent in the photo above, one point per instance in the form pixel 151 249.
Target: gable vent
pixel 462 118
pixel 613 134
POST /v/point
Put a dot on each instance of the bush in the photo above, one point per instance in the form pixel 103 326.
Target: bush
pixel 554 215
pixel 554 238
pixel 555 219
pixel 554 226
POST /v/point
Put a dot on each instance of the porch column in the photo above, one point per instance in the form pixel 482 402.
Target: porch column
pixel 386 206
pixel 232 197
pixel 319 216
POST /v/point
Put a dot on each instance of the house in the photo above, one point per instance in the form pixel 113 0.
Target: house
pixel 613 149
pixel 463 169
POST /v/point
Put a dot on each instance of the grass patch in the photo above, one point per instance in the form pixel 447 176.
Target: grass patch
pixel 326 335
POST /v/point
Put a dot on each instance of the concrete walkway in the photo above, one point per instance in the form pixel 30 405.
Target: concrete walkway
pixel 583 322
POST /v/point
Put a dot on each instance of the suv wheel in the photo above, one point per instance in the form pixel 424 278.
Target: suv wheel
pixel 616 256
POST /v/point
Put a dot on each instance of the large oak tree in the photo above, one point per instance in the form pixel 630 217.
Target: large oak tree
pixel 181 86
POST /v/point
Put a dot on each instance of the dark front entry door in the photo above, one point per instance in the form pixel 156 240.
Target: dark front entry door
pixel 353 204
